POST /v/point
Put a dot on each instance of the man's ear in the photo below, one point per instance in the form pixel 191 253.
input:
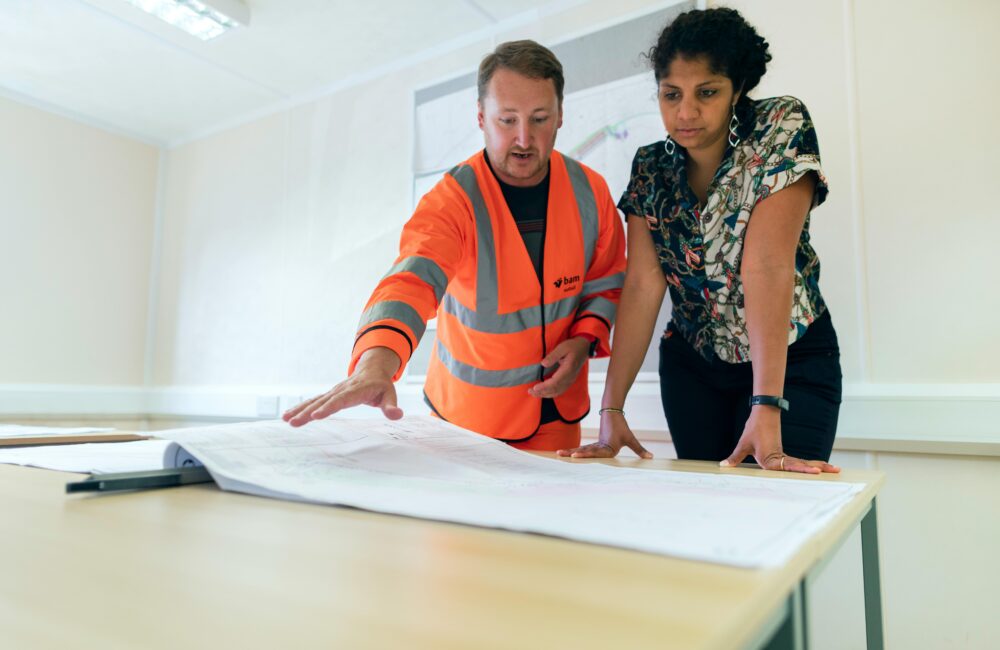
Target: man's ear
pixel 559 122
pixel 479 114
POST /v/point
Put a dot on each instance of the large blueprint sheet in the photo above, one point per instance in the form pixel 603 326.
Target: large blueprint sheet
pixel 424 467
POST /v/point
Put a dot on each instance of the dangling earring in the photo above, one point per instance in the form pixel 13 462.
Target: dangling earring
pixel 669 146
pixel 734 138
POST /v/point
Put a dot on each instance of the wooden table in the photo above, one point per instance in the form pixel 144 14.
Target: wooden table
pixel 195 567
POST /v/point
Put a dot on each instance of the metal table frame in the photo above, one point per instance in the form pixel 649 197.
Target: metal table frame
pixel 788 627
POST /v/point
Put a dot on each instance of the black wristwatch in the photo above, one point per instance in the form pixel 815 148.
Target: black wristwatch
pixel 769 400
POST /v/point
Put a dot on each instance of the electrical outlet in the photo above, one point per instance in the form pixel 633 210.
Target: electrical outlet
pixel 288 401
pixel 267 406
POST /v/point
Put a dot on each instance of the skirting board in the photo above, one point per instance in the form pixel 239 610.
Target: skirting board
pixel 967 413
pixel 56 399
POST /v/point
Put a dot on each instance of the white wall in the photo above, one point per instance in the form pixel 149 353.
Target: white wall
pixel 927 98
pixel 265 276
pixel 77 207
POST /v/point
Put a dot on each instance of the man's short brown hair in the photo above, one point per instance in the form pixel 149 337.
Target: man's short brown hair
pixel 527 58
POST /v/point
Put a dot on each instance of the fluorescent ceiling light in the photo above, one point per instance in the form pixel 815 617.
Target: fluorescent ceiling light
pixel 205 19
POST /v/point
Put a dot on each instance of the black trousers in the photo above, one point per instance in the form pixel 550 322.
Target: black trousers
pixel 707 402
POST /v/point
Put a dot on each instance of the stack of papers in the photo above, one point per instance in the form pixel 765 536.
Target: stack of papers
pixel 16 435
pixel 93 458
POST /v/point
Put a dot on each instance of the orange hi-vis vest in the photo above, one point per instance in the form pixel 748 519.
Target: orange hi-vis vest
pixel 463 259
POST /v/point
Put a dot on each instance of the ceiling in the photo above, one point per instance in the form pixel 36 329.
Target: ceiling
pixel 109 64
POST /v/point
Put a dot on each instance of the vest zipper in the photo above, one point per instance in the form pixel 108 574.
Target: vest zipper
pixel 541 305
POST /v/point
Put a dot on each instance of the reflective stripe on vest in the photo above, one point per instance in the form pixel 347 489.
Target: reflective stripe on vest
pixel 486 378
pixel 513 322
pixel 600 306
pixel 587 205
pixel 395 310
pixel 486 260
pixel 616 281
pixel 424 268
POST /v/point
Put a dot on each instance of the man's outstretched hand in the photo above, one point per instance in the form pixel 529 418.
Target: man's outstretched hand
pixel 370 384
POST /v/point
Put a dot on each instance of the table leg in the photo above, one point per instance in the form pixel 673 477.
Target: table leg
pixel 872 581
pixel 792 633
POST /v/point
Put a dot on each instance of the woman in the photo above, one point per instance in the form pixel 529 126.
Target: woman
pixel 719 214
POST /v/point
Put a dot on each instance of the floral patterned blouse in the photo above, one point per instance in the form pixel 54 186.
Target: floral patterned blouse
pixel 700 248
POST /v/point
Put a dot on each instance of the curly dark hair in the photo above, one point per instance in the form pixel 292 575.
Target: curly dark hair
pixel 730 44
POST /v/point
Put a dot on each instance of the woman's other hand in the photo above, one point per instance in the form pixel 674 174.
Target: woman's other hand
pixel 762 439
pixel 615 434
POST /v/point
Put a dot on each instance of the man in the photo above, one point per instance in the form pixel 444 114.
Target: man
pixel 520 253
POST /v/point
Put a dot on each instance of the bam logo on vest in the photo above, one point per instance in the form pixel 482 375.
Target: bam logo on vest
pixel 566 282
